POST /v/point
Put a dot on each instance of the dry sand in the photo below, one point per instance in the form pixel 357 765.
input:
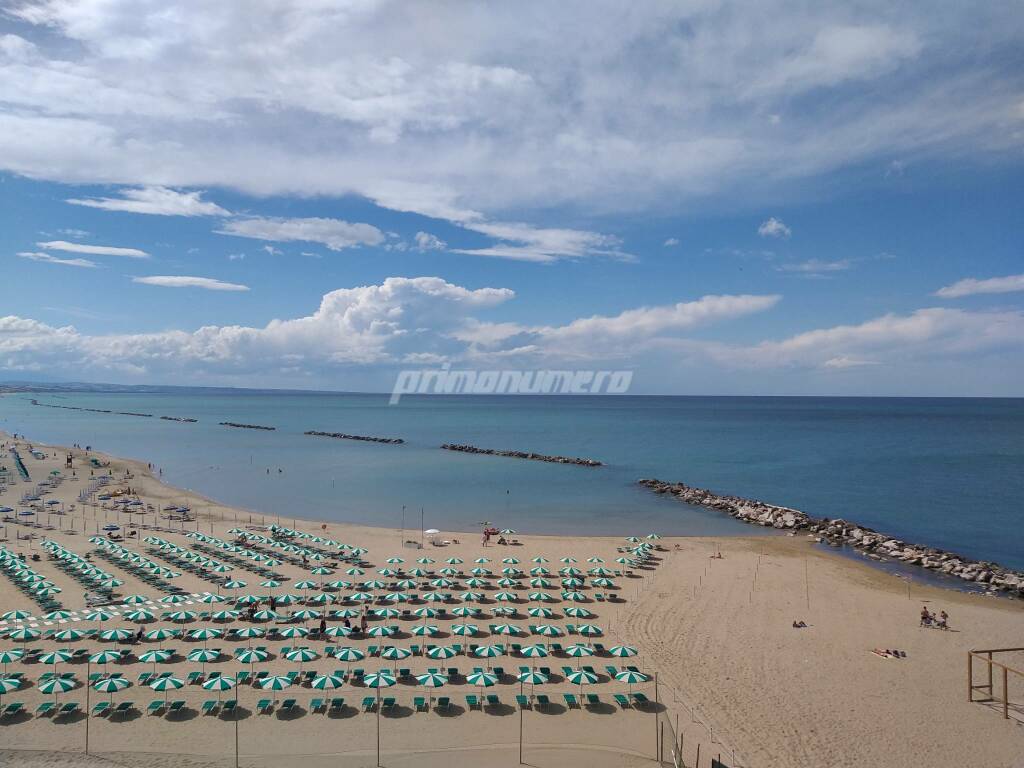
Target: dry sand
pixel 733 672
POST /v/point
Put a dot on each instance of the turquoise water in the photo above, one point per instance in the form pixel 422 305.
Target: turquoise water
pixel 944 472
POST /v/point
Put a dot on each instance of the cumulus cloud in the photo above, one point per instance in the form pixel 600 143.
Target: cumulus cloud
pixel 183 281
pixel 815 266
pixel 428 242
pixel 336 234
pixel 156 201
pixel 773 227
pixel 970 286
pixel 93 250
pixel 48 259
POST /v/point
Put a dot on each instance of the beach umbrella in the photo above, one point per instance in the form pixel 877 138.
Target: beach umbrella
pixel 8 684
pixel 211 598
pixel 482 679
pixel 454 561
pixel 441 652
pixel 505 629
pixel 541 612
pixel 466 610
pixel 270 583
pixel 251 655
pixel 68 635
pixel 360 597
pixel 431 680
pixel 139 615
pixel 425 560
pixel 161 634
pixel 406 584
pixel 396 597
pixel 581 677
pixel 548 630
pixel 181 615
pixel 533 652
pixel 386 613
pixel 540 583
pixel 589 630
pixel 55 657
pixel 286 598
pixel 578 613
pixel 57 615
pixel 265 615
pixel 434 597
pixel 166 684
pixel 506 597
pixel 275 683
pixel 449 571
pixel 572 583
pixel 203 655
pixel 355 572
pixel 111 685
pixel 425 630
pixel 293 632
pixel 302 655
pixel 321 598
pixel 304 584
pixel 219 684
pixel 247 600
pixel 602 582
pixel 595 559
pixel 327 682
pixel 540 597
pixel 10 656
pixel 339 631
pixel 419 573
pixel 173 599
pixel 154 656
pixel 532 678
pixel 248 633
pixel 115 635
pixel 349 655
pixel 305 614
pixel 345 613
pixel 321 570
pixel 507 582
pixel 380 631
pixel 426 612
pixel 392 653
pixel 99 616
pixel 471 597
pixel 57 685
pixel 477 582
pixel 15 615
pixel 465 629
pixel 573 596
pixel 381 679
pixel 105 657
pixel 135 599
pixel 579 651
pixel 631 677
pixel 205 634
pixel 442 583
pixel 489 652
pixel 622 651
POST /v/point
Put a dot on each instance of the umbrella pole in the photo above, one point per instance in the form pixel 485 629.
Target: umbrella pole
pixel 521 724
pixel 378 728
pixel 88 686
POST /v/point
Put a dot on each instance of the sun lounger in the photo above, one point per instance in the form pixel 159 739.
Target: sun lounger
pixel 210 707
pixel 419 704
pixel 176 706
pixel 443 702
pixel 593 700
pixel 543 700
pixel 316 705
pixel 570 700
pixel 14 708
pixel 639 698
pixel 472 702
pixel 387 703
pixel 265 706
pixel 228 707
pixel 287 705
pixel 123 708
pixel 45 709
pixel 493 700
pixel 101 709
pixel 66 710
pixel 337 704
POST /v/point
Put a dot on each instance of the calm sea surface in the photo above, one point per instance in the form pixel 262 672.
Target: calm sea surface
pixel 944 472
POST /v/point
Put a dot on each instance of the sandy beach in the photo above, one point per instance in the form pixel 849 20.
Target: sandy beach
pixel 732 671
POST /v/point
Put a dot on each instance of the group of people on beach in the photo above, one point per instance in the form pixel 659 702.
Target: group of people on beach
pixel 929 619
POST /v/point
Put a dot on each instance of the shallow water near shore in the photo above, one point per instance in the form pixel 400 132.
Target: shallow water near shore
pixel 943 472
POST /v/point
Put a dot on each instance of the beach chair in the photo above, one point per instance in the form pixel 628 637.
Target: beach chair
pixel 68 709
pixel 176 706
pixel 566 671
pixel 369 702
pixel 194 678
pixel 404 673
pixel 337 704
pixel 493 700
pixel 287 706
pixel 316 705
pixel 472 702
pixel 14 708
pixel 543 701
pixel 387 704
pixel 612 671
pixel 621 700
pixel 570 700
pixel 210 707
pixel 419 704
pixel 639 698
pixel 228 707
pixel 265 706
pixel 101 709
pixel 593 700
pixel 522 701
pixel 122 709
pixel 45 709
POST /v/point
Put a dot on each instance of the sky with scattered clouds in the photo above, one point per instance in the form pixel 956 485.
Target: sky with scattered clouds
pixel 733 198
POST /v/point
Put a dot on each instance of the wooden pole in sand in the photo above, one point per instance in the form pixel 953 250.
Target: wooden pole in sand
pixel 520 725
pixel 88 685
pixel 235 713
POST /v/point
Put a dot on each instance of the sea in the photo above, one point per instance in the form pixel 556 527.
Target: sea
pixel 943 472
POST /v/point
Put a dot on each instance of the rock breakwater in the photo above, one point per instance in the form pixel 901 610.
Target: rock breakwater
pixel 365 438
pixel 522 455
pixel 236 425
pixel 874 544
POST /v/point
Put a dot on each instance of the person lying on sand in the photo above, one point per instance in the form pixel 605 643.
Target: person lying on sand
pixel 799 624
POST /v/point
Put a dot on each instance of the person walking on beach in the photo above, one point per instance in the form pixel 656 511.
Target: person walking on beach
pixel 943 621
pixel 926 617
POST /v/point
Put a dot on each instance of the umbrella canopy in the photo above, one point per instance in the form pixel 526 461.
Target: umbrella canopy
pixel 275 683
pixel 387 613
pixel 581 677
pixel 57 615
pixel 339 631
pixel 466 610
pixel 290 632
pixel 533 678
pixel 68 635
pixel 111 684
pixel 8 684
pixel 431 680
pixel 205 634
pixel 622 651
pixel 252 655
pixel 154 656
pixel 465 629
pixel 99 615
pixel 105 657
pixel 382 679
pixel 349 654
pixel 579 651
pixel 139 615
pixel 425 630
pixel 115 635
pixel 219 683
pixel 11 655
pixel 482 679
pixel 327 682
pixel 541 612
pixel 380 632
pixel 15 615
pixel 489 651
pixel 631 676
pixel 161 634
pixel 203 655
pixel 590 630
pixel 57 685
pixel 578 613
pixel 395 654
pixel 302 655
pixel 55 657
pixel 181 615
pixel 533 651
pixel 441 652
pixel 548 630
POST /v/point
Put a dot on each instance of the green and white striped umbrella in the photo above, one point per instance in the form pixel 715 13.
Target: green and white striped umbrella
pixel 302 655
pixel 99 615
pixel 471 597
pixel 327 682
pixel 590 630
pixel 105 657
pixel 206 633
pixel 506 597
pixel 506 629
pixel 321 570
pixel 8 684
pixel 382 679
pixel 166 684
pixel 349 654
pixel 441 652
pixel 465 629
pixel 265 615
pixel 425 560
pixel 595 559
pixel 251 655
pixel 155 656
pixel 270 583
pixel 380 631
pixel 573 596
pixel 57 685
pixel 291 632
pixel 111 685
pixel 431 680
pixel 234 584
pixel 396 597
pixel 173 599
pixel 540 583
pixel 578 613
pixel 548 630
pixel 466 610
pixel 425 630
pixel 387 613
pixel 360 597
pixel 345 613
pixel 203 655
pixel 275 683
pixel 508 583
pixel 434 597
pixel 339 631
pixel 355 572
pixel 489 651
pixel 475 583
pixel 211 598
pixel 393 653
pixel 248 633
pixel 139 615
pixel 394 560
pixel 454 561
pixel 631 676
pixel 541 612
pixel 115 635
pixel 15 615
pixel 579 651
pixel 533 652
pixel 68 635
pixel 541 559
pixel 321 598
pixel 181 615
pixel 219 683
pixel 533 678
pixel 59 615
pixel 135 599
pixel 305 584
pixel 247 599
pixel 162 634
pixel 581 677
pixel 426 612
pixel 55 657
pixel 10 656
pixel 406 584
pixel 482 679
pixel 622 651
pixel 568 560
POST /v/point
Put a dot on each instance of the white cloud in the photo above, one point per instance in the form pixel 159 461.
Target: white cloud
pixel 333 233
pixel 182 281
pixel 816 266
pixel 971 286
pixel 428 242
pixel 671 242
pixel 236 256
pixel 94 250
pixel 48 259
pixel 773 227
pixel 74 232
pixel 380 100
pixel 845 361
pixel 523 242
pixel 157 201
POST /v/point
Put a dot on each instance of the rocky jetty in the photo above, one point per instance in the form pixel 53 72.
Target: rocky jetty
pixel 874 544
pixel 179 418
pixel 246 426
pixel 366 438
pixel 523 455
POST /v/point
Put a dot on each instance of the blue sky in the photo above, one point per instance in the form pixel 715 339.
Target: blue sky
pixel 723 199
